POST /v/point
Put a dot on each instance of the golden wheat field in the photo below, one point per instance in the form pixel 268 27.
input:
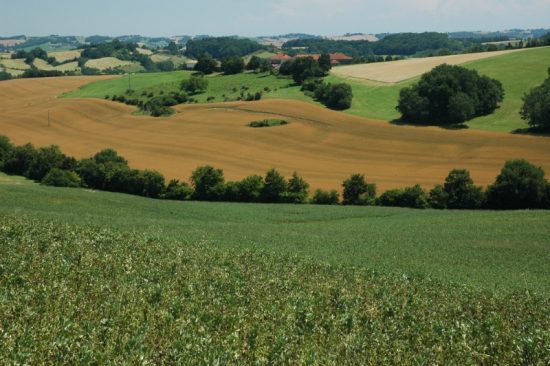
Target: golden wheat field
pixel 397 71
pixel 62 56
pixel 108 63
pixel 324 146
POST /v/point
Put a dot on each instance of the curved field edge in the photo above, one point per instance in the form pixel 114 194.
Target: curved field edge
pixel 95 295
pixel 501 252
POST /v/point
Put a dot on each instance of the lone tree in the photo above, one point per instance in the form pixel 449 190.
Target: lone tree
pixel 536 106
pixel 232 65
pixel 449 95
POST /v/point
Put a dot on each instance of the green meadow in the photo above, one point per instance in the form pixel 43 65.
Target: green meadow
pixel 92 277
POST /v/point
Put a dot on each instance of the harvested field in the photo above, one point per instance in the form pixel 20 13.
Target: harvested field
pixel 62 56
pixel 177 60
pixel 323 145
pixel 109 63
pixel 4 55
pixel 144 51
pixel 15 64
pixel 397 71
pixel 43 65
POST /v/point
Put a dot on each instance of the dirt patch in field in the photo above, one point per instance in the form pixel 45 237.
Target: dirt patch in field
pixel 397 71
pixel 323 145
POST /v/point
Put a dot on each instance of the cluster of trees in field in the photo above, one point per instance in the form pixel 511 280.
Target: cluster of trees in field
pixel 520 184
pixel 449 95
pixel 222 47
pixel 308 73
pixel 335 96
pixel 31 55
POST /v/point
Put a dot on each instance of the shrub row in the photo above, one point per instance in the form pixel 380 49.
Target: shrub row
pixel 520 185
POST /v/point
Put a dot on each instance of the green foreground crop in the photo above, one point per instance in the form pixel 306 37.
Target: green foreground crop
pixel 86 295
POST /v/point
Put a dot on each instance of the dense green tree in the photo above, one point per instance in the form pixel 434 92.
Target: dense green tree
pixel 297 189
pixel 172 48
pixel 5 75
pixel 321 197
pixel 152 182
pixel 232 65
pixel 18 160
pixel 338 96
pixel 413 197
pixel 91 173
pixel 109 156
pixel 461 191
pixel 519 185
pixel 536 106
pixel 301 69
pixel 5 148
pixel 438 197
pixel 254 63
pixel 324 63
pixel 357 191
pixel 47 158
pixel 449 95
pixel 178 191
pixel 206 64
pixel 250 189
pixel 61 178
pixel 208 183
pixel 275 187
pixel 221 47
pixel 194 85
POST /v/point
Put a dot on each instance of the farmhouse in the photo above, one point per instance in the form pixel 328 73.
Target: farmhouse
pixel 279 58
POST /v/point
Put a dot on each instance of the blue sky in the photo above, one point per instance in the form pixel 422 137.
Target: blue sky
pixel 258 17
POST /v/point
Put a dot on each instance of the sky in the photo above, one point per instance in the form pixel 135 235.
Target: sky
pixel 259 17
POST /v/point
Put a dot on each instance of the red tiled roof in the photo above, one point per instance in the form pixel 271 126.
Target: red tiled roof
pixel 281 56
pixel 340 56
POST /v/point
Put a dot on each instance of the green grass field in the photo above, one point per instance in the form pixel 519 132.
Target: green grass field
pixel 518 72
pixel 482 249
pixel 101 278
pixel 219 86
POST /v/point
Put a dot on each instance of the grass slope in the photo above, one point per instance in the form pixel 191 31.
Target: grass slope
pixel 518 72
pixel 86 295
pixel 496 251
pixel 219 86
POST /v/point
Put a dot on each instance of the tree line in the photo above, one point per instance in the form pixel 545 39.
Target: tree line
pixel 222 47
pixel 519 185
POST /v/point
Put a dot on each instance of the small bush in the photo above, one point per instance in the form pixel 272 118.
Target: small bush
pixel 321 197
pixel 61 178
pixel 413 197
pixel 267 123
